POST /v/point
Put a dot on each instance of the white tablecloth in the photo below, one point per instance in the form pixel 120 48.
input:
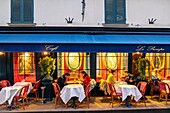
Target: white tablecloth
pixel 72 90
pixel 24 84
pixel 8 93
pixel 128 90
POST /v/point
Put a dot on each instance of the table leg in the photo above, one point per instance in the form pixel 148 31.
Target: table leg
pixel 9 108
pixel 127 103
pixel 73 105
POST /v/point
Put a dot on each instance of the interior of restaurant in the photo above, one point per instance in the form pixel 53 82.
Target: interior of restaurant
pixel 24 65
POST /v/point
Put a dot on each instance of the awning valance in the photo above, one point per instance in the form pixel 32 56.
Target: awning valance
pixel 84 43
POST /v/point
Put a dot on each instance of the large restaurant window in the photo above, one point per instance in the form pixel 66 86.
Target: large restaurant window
pixel 115 12
pixel 73 63
pixel 24 67
pixel 22 11
pixel 159 63
pixel 116 61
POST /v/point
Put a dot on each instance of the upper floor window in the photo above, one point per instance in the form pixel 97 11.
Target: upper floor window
pixel 115 12
pixel 22 11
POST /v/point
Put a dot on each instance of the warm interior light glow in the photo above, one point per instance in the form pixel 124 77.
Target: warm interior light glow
pixel 46 53
pixel 2 53
pixel 137 52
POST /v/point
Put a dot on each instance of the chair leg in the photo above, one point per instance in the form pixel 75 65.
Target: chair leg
pixel 23 104
pixel 160 96
pixel 88 101
pixel 112 100
pixel 166 97
pixel 6 105
pixel 27 101
pixel 55 103
pixel 144 100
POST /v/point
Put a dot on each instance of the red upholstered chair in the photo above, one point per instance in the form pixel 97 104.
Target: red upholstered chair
pixel 113 93
pixel 58 100
pixel 35 89
pixel 4 83
pixel 168 77
pixel 87 93
pixel 163 90
pixel 154 88
pixel 142 89
pixel 23 96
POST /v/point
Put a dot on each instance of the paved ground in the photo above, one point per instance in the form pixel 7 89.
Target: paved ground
pixel 97 104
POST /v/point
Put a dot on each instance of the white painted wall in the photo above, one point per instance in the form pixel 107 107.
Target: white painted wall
pixel 54 12
pixel 4 12
pixel 139 11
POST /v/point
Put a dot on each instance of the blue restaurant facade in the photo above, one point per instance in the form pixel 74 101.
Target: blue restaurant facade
pixel 90 40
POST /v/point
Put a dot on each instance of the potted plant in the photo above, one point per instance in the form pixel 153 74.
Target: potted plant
pixel 143 66
pixel 47 66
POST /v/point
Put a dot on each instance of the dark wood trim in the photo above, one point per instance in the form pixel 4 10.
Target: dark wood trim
pixel 82 30
pixel 93 65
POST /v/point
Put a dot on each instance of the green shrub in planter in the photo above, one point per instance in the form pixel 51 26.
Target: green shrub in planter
pixel 143 65
pixel 47 65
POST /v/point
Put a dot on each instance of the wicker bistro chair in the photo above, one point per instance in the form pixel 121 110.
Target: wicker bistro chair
pixel 164 90
pixel 35 89
pixel 114 94
pixel 23 96
pixel 4 83
pixel 86 100
pixel 142 89
pixel 58 100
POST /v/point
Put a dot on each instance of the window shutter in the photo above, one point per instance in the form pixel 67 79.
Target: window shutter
pixel 109 17
pixel 120 12
pixel 15 11
pixel 115 12
pixel 28 11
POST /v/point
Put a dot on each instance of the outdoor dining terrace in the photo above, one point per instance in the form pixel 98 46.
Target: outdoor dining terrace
pixel 96 103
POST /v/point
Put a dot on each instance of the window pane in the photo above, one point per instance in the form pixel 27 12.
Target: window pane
pixel 22 11
pixel 157 61
pixel 120 11
pixel 73 63
pixel 115 12
pixel 109 17
pixel 16 11
pixel 116 61
pixel 24 67
pixel 28 11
